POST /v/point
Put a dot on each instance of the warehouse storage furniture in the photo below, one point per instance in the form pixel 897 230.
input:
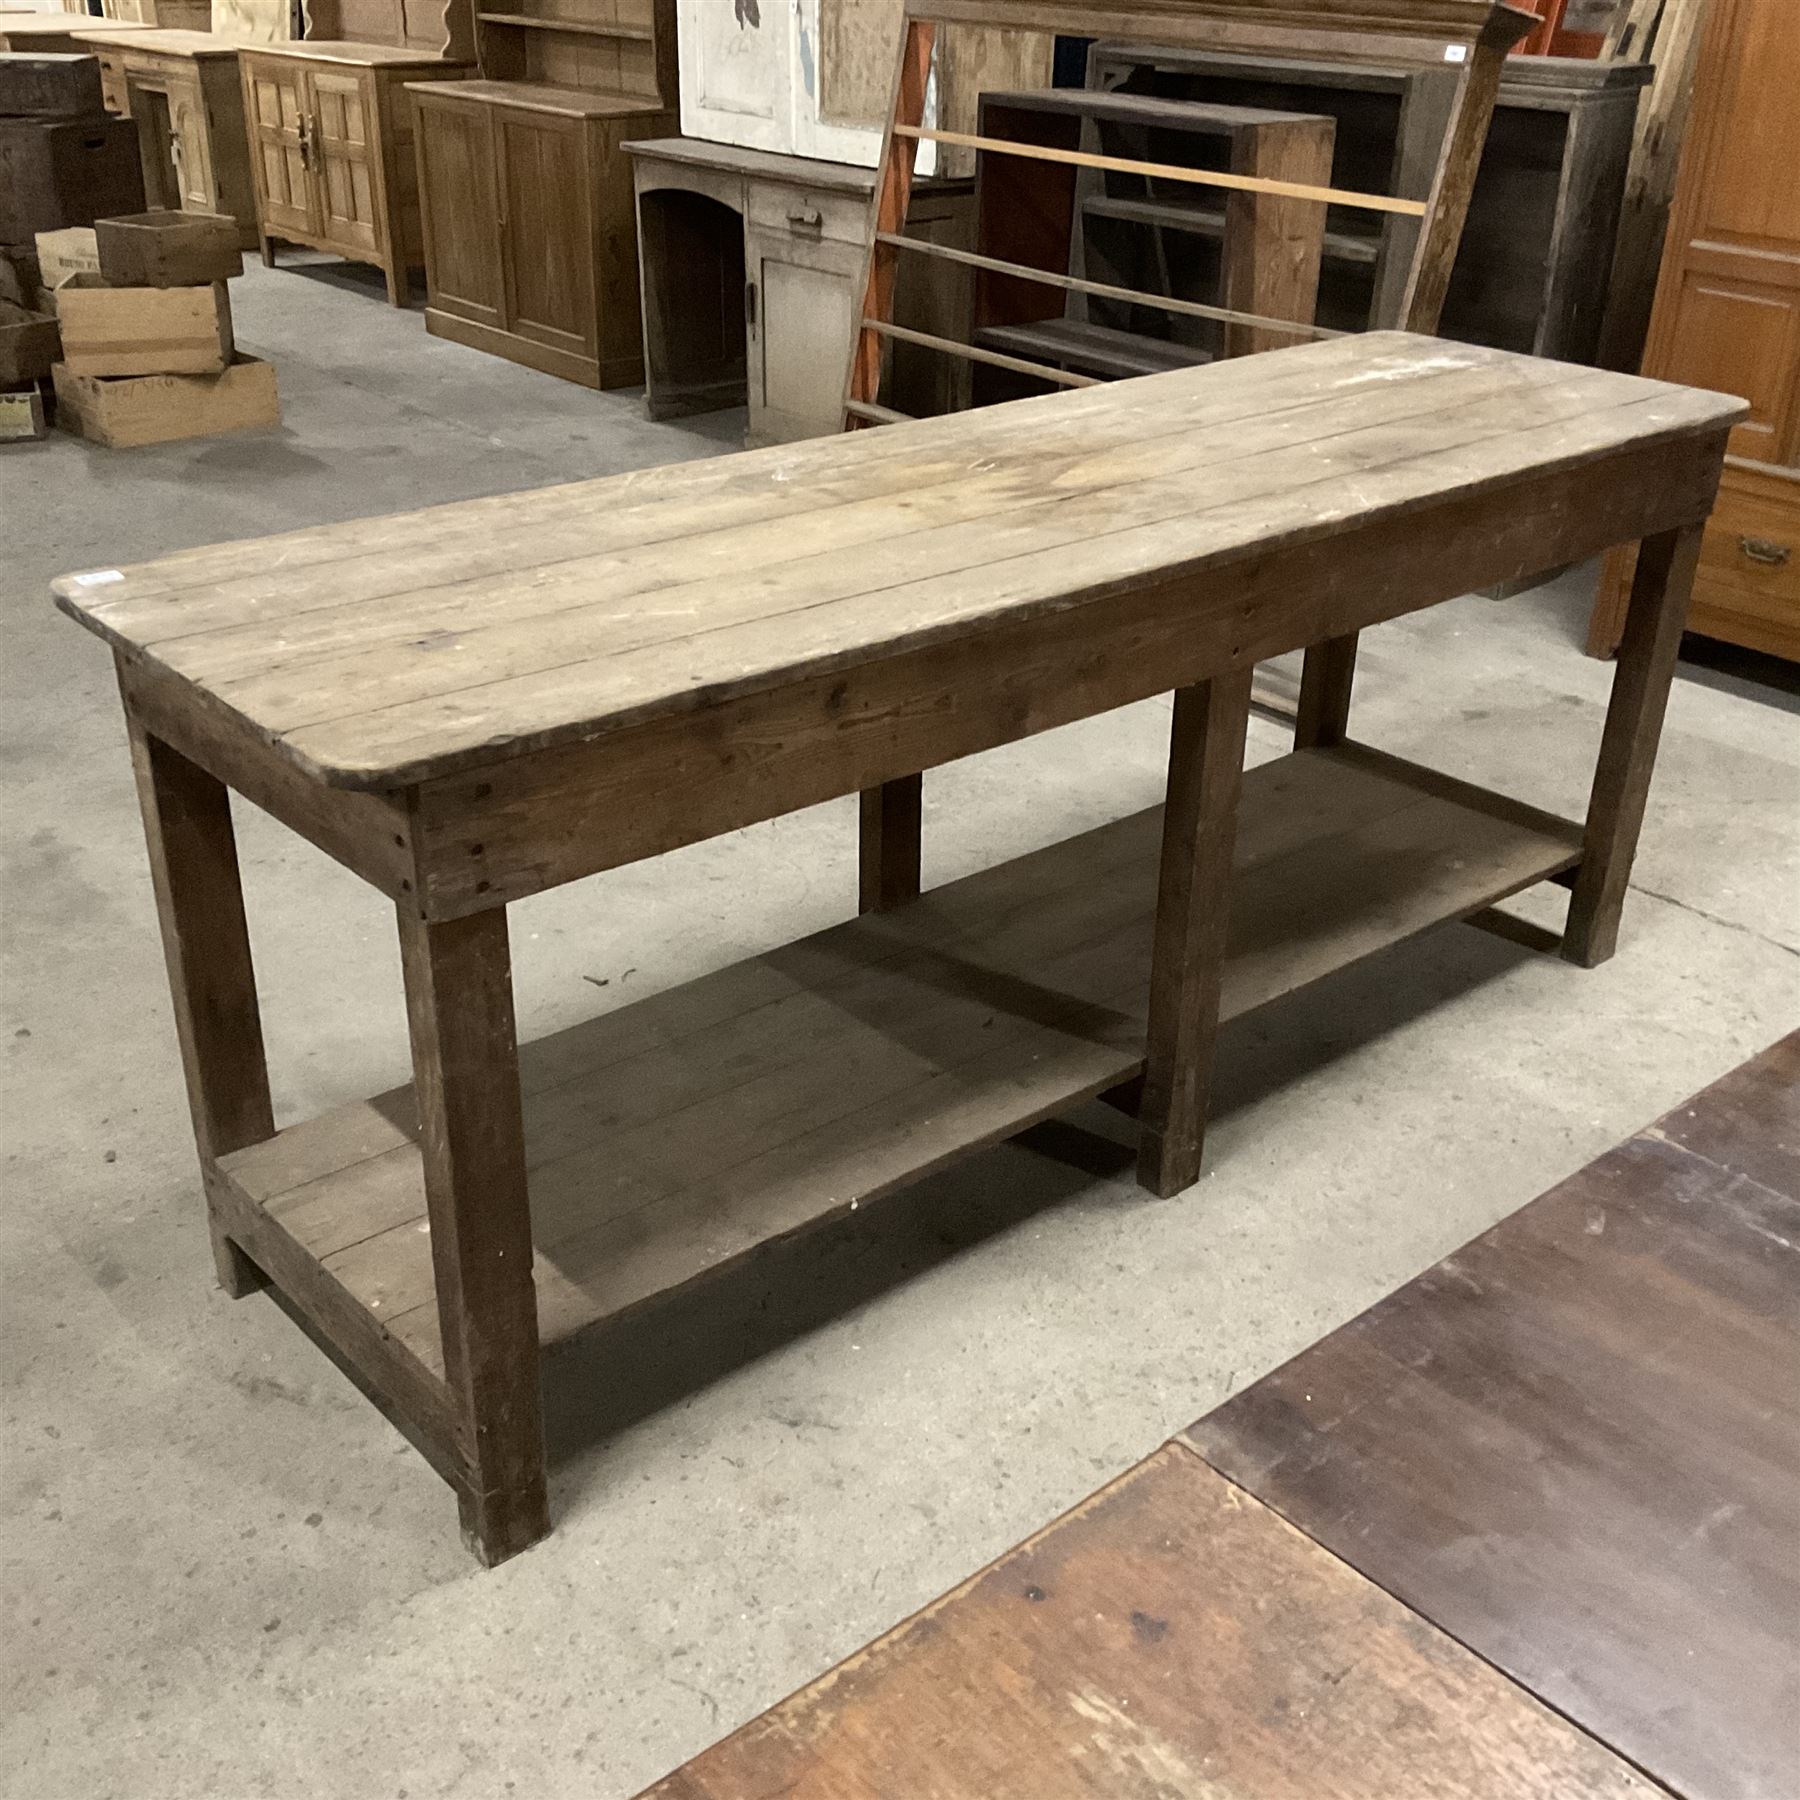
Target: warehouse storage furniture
pixel 530 232
pixel 479 702
pixel 182 88
pixel 331 129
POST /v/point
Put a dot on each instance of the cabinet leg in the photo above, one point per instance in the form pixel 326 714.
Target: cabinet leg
pixel 212 981
pixel 888 864
pixel 399 284
pixel 471 1130
pixel 1193 902
pixel 1654 618
pixel 268 250
pixel 1326 677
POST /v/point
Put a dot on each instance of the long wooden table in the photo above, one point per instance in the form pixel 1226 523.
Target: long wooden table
pixel 477 702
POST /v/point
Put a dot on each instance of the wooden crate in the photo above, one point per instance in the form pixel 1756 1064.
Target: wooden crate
pixel 144 330
pixel 21 416
pixel 29 345
pixel 57 172
pixel 62 255
pixel 168 249
pixel 39 85
pixel 157 409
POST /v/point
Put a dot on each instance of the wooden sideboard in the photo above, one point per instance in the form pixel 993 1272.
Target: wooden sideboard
pixel 331 128
pixel 182 89
pixel 749 262
pixel 530 237
pixel 1727 316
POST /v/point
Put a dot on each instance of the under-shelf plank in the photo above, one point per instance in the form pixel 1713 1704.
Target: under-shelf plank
pixel 670 1137
pixel 1202 221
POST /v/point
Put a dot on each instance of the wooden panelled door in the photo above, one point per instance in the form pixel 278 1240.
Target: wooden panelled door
pixel 341 154
pixel 1728 308
pixel 460 219
pixel 544 209
pixel 279 130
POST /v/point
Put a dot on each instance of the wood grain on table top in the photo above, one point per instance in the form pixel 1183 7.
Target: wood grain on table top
pixel 395 649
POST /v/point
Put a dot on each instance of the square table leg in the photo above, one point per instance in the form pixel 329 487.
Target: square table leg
pixel 1654 619
pixel 1193 902
pixel 888 850
pixel 212 981
pixel 459 1010
pixel 1327 673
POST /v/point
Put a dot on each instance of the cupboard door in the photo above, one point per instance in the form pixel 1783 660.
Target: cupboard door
pixel 801 309
pixel 343 136
pixel 457 204
pixel 192 147
pixel 1728 306
pixel 547 225
pixel 275 99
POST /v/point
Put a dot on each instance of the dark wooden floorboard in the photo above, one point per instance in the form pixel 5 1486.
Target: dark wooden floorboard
pixel 1169 1639
pixel 1575 1444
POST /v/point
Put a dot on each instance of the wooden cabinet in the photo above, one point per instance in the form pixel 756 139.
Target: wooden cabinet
pixel 530 238
pixel 529 247
pixel 331 133
pixel 752 266
pixel 814 78
pixel 1727 317
pixel 182 89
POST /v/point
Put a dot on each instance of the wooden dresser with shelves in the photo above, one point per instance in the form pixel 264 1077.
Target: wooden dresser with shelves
pixel 330 126
pixel 1727 317
pixel 182 89
pixel 530 237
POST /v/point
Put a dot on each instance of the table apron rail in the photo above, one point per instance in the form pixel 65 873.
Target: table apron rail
pixel 515 828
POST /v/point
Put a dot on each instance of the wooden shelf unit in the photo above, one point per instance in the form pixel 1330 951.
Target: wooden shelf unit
pixel 331 128
pixel 667 1139
pixel 530 224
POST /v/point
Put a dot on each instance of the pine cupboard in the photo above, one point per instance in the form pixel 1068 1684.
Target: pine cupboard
pixel 530 235
pixel 1727 317
pixel 331 127
pixel 182 90
pixel 530 243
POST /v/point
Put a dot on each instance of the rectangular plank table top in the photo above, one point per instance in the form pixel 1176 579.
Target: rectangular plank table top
pixel 396 650
pixel 1575 1444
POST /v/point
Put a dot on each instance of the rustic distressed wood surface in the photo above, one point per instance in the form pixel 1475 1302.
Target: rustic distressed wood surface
pixel 386 651
pixel 1169 1639
pixel 667 1139
pixel 1575 1444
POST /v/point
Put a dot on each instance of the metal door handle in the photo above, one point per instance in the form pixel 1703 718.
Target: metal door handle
pixel 1765 551
pixel 807 218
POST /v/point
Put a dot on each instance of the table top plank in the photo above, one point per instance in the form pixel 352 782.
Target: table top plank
pixel 1169 1636
pixel 391 651
pixel 1575 1444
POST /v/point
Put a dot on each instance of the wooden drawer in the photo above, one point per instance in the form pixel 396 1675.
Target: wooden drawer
pixel 1748 585
pixel 807 214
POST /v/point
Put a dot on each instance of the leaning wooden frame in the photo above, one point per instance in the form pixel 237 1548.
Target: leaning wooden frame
pixel 1470 36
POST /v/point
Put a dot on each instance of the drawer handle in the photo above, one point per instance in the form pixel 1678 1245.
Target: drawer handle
pixel 805 218
pixel 1765 551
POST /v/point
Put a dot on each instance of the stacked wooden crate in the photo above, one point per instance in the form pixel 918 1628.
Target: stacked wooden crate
pixel 147 347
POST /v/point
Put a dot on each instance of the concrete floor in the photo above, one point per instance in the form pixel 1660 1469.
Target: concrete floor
pixel 227 1576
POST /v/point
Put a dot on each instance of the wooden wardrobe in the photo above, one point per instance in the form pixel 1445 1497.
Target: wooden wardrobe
pixel 1728 317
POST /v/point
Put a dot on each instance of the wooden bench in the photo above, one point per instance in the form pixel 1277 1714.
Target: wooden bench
pixel 478 702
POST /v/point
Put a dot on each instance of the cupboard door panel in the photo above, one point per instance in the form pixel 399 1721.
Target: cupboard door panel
pixel 1741 337
pixel 806 297
pixel 547 228
pixel 461 220
pixel 342 136
pixel 275 100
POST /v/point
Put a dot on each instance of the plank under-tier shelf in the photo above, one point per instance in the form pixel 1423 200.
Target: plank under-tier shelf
pixel 672 1136
pixel 1207 221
